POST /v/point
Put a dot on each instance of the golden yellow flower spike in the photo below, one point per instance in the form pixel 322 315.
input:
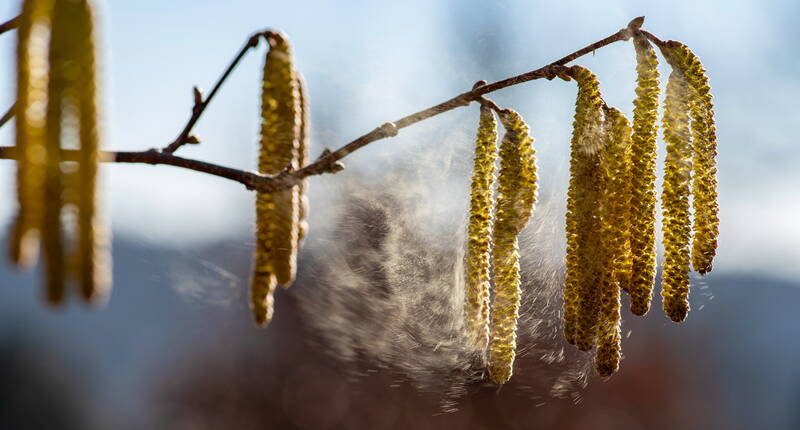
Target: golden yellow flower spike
pixel 276 213
pixel 643 178
pixel 480 230
pixel 517 192
pixel 263 284
pixel 32 68
pixel 581 298
pixel 93 257
pixel 704 180
pixel 280 140
pixel 675 198
pixel 614 239
pixel 61 93
pixel 304 142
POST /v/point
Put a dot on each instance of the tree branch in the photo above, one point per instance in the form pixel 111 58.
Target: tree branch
pixel 9 25
pixel 8 115
pixel 200 104
pixel 328 161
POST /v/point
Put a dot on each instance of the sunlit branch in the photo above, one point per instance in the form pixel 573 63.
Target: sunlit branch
pixel 328 161
pixel 8 115
pixel 9 25
pixel 200 103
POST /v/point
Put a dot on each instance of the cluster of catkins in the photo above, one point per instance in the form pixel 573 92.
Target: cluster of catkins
pixel 281 215
pixel 57 109
pixel 611 210
pixel 492 251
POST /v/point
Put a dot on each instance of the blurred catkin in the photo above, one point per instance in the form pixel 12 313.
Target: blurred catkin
pixel 704 142
pixel 643 177
pixel 32 87
pixel 480 230
pixel 61 94
pixel 675 198
pixel 276 213
pixel 517 193
pixel 614 239
pixel 93 256
pixel 303 147
pixel 583 244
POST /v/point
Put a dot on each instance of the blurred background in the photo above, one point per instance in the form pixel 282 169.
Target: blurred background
pixel 175 348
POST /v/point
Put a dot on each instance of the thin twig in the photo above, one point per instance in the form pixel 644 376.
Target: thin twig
pixel 8 115
pixel 328 162
pixel 200 104
pixel 9 25
pixel 651 37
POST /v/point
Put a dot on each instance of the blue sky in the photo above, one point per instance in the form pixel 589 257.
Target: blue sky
pixel 371 62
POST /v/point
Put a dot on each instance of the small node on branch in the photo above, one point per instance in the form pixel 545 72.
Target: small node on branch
pixel 478 84
pixel 253 41
pixel 633 28
pixel 192 140
pixel 337 167
pixel 330 166
pixel 636 23
pixel 388 129
pixel 198 96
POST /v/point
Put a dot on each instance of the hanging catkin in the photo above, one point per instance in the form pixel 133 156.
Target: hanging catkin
pixel 302 152
pixel 32 84
pixel 643 162
pixel 279 150
pixel 517 192
pixel 704 142
pixel 675 198
pixel 480 230
pixel 61 96
pixel 614 238
pixel 581 299
pixel 93 256
pixel 276 213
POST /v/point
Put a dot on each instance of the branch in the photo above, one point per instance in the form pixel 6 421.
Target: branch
pixel 9 25
pixel 200 104
pixel 328 162
pixel 8 115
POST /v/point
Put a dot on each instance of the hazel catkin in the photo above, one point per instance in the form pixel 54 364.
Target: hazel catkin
pixel 517 193
pixel 643 178
pixel 61 95
pixel 302 153
pixel 478 255
pixel 93 256
pixel 704 143
pixel 583 268
pixel 277 212
pixel 675 198
pixel 32 87
pixel 613 230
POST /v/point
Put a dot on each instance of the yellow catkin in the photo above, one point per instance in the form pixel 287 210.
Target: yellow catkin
pixel 704 180
pixel 32 82
pixel 581 298
pixel 643 178
pixel 276 213
pixel 615 253
pixel 61 97
pixel 480 230
pixel 280 149
pixel 675 198
pixel 93 256
pixel 302 161
pixel 517 193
